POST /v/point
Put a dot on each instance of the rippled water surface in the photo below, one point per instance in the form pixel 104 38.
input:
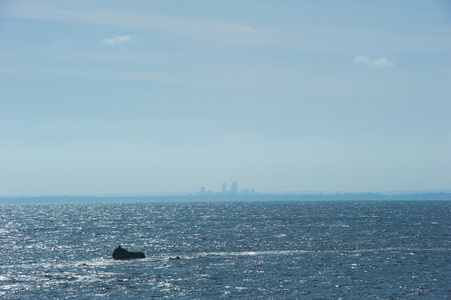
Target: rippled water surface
pixel 280 250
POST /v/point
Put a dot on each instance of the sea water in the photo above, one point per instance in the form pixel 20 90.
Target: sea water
pixel 242 249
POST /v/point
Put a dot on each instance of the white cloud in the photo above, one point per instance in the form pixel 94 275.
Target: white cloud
pixel 117 40
pixel 60 44
pixel 243 28
pixel 378 63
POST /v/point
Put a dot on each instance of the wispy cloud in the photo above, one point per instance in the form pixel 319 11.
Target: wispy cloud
pixel 241 27
pixel 377 63
pixel 60 44
pixel 117 40
pixel 181 25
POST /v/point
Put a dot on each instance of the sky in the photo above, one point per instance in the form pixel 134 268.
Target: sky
pixel 165 96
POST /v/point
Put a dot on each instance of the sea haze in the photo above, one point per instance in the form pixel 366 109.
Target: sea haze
pixel 252 249
pixel 432 195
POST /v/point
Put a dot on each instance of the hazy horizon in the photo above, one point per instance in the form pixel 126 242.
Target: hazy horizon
pixel 136 97
pixel 219 193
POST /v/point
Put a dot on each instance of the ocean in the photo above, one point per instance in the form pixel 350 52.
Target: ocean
pixel 227 250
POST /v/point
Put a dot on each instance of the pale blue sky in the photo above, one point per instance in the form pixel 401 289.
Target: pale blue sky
pixel 106 97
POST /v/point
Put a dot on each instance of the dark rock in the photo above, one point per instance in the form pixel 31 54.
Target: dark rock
pixel 121 253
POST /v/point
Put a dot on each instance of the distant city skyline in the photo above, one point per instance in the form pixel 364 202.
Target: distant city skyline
pixel 232 191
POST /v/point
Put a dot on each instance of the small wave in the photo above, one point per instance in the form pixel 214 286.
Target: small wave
pixel 292 252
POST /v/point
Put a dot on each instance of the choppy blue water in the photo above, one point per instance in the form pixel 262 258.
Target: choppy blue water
pixel 280 250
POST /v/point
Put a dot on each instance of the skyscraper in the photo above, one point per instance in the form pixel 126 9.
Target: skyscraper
pixel 234 188
pixel 224 188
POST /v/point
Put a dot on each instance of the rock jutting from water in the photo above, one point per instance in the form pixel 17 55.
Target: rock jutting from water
pixel 122 253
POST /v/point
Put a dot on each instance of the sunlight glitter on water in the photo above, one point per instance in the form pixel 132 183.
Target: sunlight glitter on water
pixel 320 250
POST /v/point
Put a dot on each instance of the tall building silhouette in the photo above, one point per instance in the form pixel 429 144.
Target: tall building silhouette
pixel 224 188
pixel 234 188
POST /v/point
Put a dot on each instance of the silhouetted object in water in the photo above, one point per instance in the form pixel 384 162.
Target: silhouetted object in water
pixel 121 253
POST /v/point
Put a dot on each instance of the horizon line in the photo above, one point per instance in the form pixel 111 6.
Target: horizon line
pixel 274 193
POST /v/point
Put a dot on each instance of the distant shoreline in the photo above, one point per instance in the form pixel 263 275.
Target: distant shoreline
pixel 441 196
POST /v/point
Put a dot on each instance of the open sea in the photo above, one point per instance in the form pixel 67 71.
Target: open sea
pixel 227 250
